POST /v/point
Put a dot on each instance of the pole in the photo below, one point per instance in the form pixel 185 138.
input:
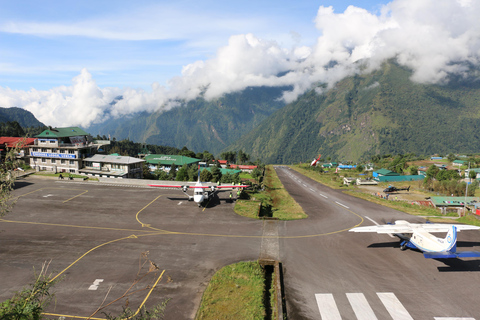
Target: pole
pixel 466 193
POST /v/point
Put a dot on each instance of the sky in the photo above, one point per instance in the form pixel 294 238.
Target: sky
pixel 65 61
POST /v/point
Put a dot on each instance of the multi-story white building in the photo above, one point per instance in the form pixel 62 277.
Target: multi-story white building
pixel 61 150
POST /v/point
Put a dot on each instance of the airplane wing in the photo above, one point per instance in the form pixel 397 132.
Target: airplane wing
pixel 450 254
pixel 387 228
pixel 410 227
pixel 438 227
pixel 168 186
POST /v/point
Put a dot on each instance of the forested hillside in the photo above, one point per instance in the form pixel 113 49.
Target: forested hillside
pixel 199 124
pixel 378 113
pixel 23 117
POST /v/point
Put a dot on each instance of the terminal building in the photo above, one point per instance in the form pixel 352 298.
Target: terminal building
pixel 61 150
pixel 113 166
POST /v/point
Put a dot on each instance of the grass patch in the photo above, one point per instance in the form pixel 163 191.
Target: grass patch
pixel 276 201
pixel 247 208
pixel 235 292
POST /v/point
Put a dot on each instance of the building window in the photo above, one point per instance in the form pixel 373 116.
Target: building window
pixel 62 161
pixel 54 161
pixel 35 149
pixel 53 141
pixel 44 149
pixel 72 162
pixel 71 151
pixel 62 151
pixel 72 170
pixel 44 160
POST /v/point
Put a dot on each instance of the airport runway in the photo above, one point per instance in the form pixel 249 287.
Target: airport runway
pixel 342 275
pixel 96 235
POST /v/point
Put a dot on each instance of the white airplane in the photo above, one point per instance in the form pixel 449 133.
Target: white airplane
pixel 418 236
pixel 202 193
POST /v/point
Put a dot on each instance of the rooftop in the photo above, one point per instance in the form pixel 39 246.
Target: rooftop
pixel 62 132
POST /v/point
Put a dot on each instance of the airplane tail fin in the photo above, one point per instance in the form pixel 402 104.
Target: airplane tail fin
pixel 408 189
pixel 450 240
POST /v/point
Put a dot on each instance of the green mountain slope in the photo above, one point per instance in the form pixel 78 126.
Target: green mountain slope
pixel 199 124
pixel 379 113
pixel 23 117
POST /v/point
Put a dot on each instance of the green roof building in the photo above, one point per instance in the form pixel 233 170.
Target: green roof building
pixel 164 162
pixel 62 133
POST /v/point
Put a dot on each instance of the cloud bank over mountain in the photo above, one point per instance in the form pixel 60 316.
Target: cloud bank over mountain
pixel 433 38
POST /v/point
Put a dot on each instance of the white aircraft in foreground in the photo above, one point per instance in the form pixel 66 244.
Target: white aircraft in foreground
pixel 418 236
pixel 202 193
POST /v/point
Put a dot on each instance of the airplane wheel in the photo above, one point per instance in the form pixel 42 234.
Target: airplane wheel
pixel 403 247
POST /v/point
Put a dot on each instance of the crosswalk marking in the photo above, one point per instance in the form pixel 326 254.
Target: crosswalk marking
pixel 394 306
pixel 452 318
pixel 360 306
pixel 327 306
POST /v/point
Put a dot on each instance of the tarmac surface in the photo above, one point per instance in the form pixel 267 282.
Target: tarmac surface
pixel 96 237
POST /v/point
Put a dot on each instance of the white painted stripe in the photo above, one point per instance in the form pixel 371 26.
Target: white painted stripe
pixel 327 307
pixel 450 318
pixel 312 190
pixel 341 205
pixel 304 185
pixel 360 306
pixel 323 196
pixel 394 306
pixel 375 222
pixel 95 284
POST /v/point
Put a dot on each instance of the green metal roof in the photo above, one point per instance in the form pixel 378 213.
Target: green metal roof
pixel 459 161
pixel 168 160
pixel 62 133
pixel 386 172
pixel 453 201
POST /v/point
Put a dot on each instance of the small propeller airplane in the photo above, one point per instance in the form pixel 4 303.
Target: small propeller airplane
pixel 418 236
pixel 202 193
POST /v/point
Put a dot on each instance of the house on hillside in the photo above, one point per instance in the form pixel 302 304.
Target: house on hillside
pixel 458 163
pixel 241 167
pixel 384 173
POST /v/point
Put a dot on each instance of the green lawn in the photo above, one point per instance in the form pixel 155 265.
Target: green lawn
pixel 235 292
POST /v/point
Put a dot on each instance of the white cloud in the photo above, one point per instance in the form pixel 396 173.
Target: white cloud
pixel 433 38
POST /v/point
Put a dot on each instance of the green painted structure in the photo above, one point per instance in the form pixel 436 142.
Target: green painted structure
pixel 453 201
pixel 399 178
pixel 62 133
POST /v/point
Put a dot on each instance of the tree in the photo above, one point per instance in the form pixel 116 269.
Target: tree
pixel 472 174
pixel 432 171
pixel 216 174
pixel 161 175
pixel 173 172
pixel 7 180
pixel 360 168
pixel 146 172
pixel 451 157
pixel 256 174
pixel 206 175
pixel 182 174
pixel 187 153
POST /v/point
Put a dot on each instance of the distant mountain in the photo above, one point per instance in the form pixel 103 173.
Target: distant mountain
pixel 23 117
pixel 378 113
pixel 199 124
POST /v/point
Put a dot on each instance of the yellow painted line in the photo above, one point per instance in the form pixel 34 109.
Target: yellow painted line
pixel 74 226
pixel 75 196
pixel 101 245
pixel 26 194
pixel 69 316
pixel 148 295
pixel 136 216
